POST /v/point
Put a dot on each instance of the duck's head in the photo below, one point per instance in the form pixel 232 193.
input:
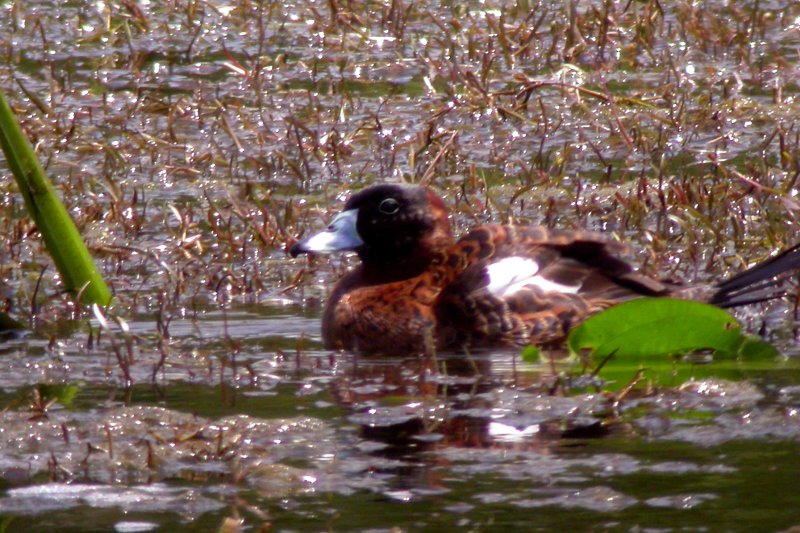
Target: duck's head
pixel 388 226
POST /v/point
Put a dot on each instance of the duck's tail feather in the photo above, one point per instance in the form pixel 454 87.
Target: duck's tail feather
pixel 760 283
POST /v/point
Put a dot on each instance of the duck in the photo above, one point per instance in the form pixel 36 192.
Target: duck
pixel 418 289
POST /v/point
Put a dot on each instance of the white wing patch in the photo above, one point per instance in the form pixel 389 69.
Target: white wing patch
pixel 512 274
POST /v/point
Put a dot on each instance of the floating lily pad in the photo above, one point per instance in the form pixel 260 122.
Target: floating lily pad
pixel 655 327
pixel 645 333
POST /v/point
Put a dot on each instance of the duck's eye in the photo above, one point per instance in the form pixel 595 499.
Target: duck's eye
pixel 389 206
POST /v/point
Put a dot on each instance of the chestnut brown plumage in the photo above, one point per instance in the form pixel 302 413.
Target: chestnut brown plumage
pixel 418 288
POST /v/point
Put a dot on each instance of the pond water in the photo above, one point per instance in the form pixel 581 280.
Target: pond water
pixel 193 142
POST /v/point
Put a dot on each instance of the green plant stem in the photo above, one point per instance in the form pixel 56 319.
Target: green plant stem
pixel 61 237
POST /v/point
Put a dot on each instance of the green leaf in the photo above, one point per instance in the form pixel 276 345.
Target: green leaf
pixel 62 393
pixel 649 328
pixel 646 333
pixel 753 348
pixel 531 354
pixel 60 235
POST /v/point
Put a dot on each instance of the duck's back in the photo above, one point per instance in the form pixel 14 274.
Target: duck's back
pixel 515 285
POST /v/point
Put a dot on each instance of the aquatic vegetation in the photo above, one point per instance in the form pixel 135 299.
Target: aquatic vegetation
pixel 193 143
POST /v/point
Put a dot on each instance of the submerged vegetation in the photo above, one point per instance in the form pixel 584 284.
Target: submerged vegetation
pixel 193 142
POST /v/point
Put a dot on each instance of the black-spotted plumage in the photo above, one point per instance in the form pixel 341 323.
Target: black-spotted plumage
pixel 417 288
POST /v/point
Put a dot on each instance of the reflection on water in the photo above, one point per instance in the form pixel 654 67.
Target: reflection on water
pixel 455 441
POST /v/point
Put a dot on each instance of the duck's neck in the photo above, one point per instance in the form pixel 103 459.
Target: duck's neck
pixel 403 257
pixel 376 273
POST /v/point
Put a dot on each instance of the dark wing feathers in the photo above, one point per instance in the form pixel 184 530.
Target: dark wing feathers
pixel 762 282
pixel 468 313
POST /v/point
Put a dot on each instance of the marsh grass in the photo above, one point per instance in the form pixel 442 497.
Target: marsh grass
pixel 193 145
